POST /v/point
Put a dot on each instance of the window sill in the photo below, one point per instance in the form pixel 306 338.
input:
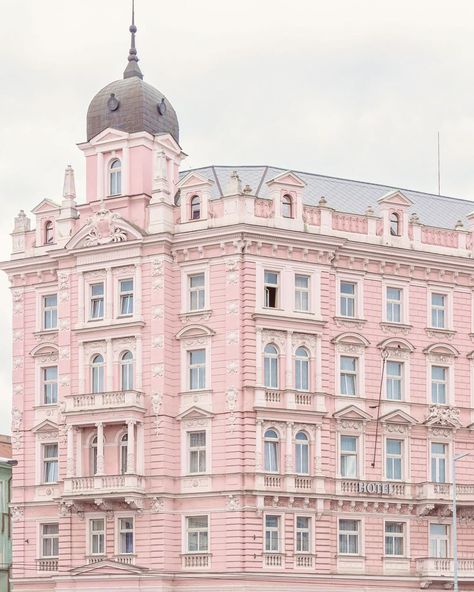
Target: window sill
pixel 96 325
pixel 203 314
pixel 395 328
pixel 44 332
pixel 342 321
pixel 440 332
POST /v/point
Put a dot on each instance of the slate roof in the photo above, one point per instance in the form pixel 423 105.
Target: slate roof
pixel 343 195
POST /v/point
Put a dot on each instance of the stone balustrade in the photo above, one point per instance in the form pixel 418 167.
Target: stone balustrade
pixel 196 560
pixel 104 484
pixel 104 401
pixel 47 564
pixel 443 567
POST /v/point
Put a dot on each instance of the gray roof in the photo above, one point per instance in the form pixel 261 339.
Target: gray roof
pixel 343 195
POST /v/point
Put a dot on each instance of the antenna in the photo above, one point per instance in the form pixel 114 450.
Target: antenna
pixel 439 167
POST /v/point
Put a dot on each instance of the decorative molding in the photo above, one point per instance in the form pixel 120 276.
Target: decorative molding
pixel 233 503
pixel 157 505
pixel 348 323
pixel 231 400
pixel 17 513
pixel 156 403
pixel 233 307
pixel 395 328
pixel 103 229
pixel 444 416
pixel 157 272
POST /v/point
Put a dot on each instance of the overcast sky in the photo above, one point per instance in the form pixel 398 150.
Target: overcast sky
pixel 354 89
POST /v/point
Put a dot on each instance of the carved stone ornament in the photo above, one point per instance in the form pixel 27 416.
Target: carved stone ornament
pixel 157 505
pixel 233 504
pixel 232 307
pixel 104 229
pixel 278 337
pixel 395 428
pixel 156 403
pixel 350 348
pixel 349 323
pixel 440 415
pixel 303 339
pixel 17 513
pixel 231 400
pixel 395 329
pixel 157 272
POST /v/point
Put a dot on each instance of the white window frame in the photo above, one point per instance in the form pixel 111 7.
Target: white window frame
pixel 89 518
pixel 184 530
pixel 198 449
pixel 42 537
pixel 403 458
pixel 449 381
pixel 447 460
pixel 448 308
pixel 303 291
pixel 91 299
pixel 201 369
pixel 122 294
pixel 447 537
pixel 277 306
pixel 280 531
pixel 405 302
pixel 308 444
pixel 186 272
pixel 391 305
pixel 44 383
pixel 45 290
pixel 49 309
pixel 205 344
pixel 118 532
pixel 118 173
pixel 358 382
pixel 358 455
pixel 403 536
pixel 310 534
pixel 278 443
pixel 355 299
pixel 403 381
pixel 127 371
pixel 360 536
pixel 45 460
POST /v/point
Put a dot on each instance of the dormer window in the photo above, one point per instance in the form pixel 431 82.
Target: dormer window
pixel 195 207
pixel 115 177
pixel 286 206
pixel 394 224
pixel 49 233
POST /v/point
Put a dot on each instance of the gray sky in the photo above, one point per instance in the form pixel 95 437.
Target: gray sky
pixel 344 88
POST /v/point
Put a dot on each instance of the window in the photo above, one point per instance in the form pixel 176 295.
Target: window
pixel 394 538
pixel 349 453
pixel 50 463
pixel 301 454
pixel 349 534
pixel 270 366
pixel 197 369
pixel 393 459
pixel 439 385
pixel 439 540
pixel 126 371
pixel 196 291
pixel 126 545
pixel 348 375
pixel 271 451
pixel 394 381
pixel 123 454
pixel 97 374
pixel 50 540
pixel 271 281
pixel 394 305
pixel 49 233
pixel 50 311
pixel 348 299
pixel 115 177
pixel 302 293
pixel 438 311
pixel 197 530
pixel 303 530
pixel 394 224
pixel 197 452
pixel 50 385
pixel 439 454
pixel 302 369
pixel 272 534
pixel 97 301
pixel 97 536
pixel 287 206
pixel 126 298
pixel 195 207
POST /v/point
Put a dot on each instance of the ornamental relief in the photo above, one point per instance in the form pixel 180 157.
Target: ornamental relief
pixel 303 339
pixel 354 425
pixel 157 272
pixel 104 229
pixel 50 436
pixel 98 274
pixel 395 428
pixel 397 354
pixel 395 329
pixel 350 348
pixel 232 307
pixel 197 422
pixel 96 347
pixel 349 323
pixel 441 358
pixel 443 416
pixel 269 336
pixel 124 343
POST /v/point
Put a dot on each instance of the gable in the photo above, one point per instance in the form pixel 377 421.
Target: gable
pixel 107 567
pixel 109 135
pixel 399 417
pixel 45 426
pixel 45 206
pixel 288 179
pixel 396 198
pixel 352 412
pixel 194 413
pixel 194 180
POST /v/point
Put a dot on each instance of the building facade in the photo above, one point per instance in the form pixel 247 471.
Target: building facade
pixel 237 378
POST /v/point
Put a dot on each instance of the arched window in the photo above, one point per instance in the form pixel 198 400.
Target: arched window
pixel 302 369
pixel 270 366
pixel 115 176
pixel 97 374
pixel 301 453
pixel 49 233
pixel 394 224
pixel 195 207
pixel 272 451
pixel 287 206
pixel 123 453
pixel 126 371
pixel 93 456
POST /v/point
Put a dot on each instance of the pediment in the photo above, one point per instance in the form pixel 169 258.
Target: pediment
pixel 194 331
pixel 167 141
pixel 287 178
pixel 194 413
pixel 192 180
pixel 45 206
pixel 110 134
pixel 442 349
pixel 351 338
pixel 396 343
pixel 399 417
pixel 45 426
pixel 396 198
pixel 103 228
pixel 352 412
pixel 107 567
pixel 443 416
pixel 45 349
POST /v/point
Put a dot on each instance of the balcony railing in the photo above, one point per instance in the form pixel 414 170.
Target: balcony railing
pixel 289 399
pixel 47 564
pixel 272 481
pixel 443 567
pixel 444 491
pixel 102 401
pixel 104 484
pixel 273 560
pixel 304 560
pixel 358 487
pixel 125 559
pixel 196 560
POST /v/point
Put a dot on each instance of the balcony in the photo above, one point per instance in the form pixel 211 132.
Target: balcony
pixel 273 560
pixel 433 567
pixel 104 485
pixel 47 564
pixel 196 560
pixel 372 488
pixel 130 400
pixel 289 399
pixel 440 492
pixel 304 561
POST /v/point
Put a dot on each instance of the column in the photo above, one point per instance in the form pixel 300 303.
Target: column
pixel 140 448
pixel 259 444
pixel 100 448
pixel 70 452
pixel 289 448
pixel 109 294
pixel 318 469
pixel 258 354
pixel 137 293
pixel 138 363
pixel 289 360
pixel 131 447
pixel 126 171
pixel 109 366
pixel 78 452
pixel 100 176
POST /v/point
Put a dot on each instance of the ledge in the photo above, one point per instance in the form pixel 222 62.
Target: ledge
pixel 395 328
pixel 349 322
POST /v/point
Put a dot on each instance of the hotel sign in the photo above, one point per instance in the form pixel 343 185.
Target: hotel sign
pixel 375 487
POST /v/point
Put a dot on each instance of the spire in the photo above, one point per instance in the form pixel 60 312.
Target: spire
pixel 69 191
pixel 133 69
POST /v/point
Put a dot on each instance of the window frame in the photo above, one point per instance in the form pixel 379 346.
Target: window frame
pixel 93 299
pixel 354 298
pixel 195 207
pixel 303 292
pixel 276 446
pixel 302 366
pixel 404 301
pixel 198 291
pixel 44 382
pixel 392 303
pixel 49 310
pixel 447 383
pixel 272 360
pixel 446 538
pixel 51 537
pixel 434 459
pixel 47 461
pixel 403 460
pixel 125 296
pixel 360 537
pixel 119 532
pixel 278 529
pixel 99 370
pixel 186 531
pixel 198 369
pixel 396 536
pixel 401 379
pixel 276 286
pixel 310 534
pixel 115 177
pixel 201 451
pixel 355 373
pixel 127 371
pixel 305 444
pixel 90 519
pixel 286 206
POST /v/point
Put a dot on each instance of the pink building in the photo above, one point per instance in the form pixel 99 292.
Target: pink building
pixel 197 364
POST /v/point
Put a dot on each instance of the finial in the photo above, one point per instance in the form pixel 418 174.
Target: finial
pixel 69 190
pixel 133 69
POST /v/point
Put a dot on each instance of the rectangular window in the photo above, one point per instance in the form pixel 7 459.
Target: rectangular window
pixel 50 463
pixel 394 381
pixel 197 536
pixel 197 452
pixel 49 540
pixel 349 460
pixel 393 459
pixel 126 298
pixel 349 533
pixel 97 536
pixel 197 292
pixel 50 311
pixel 271 281
pixel 394 305
pixel 303 530
pixel 97 301
pixel 197 369
pixel 348 375
pixel 126 544
pixel 348 299
pixel 438 311
pixel 302 292
pixel 50 385
pixel 439 385
pixel 439 540
pixel 439 459
pixel 395 538
pixel 272 534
